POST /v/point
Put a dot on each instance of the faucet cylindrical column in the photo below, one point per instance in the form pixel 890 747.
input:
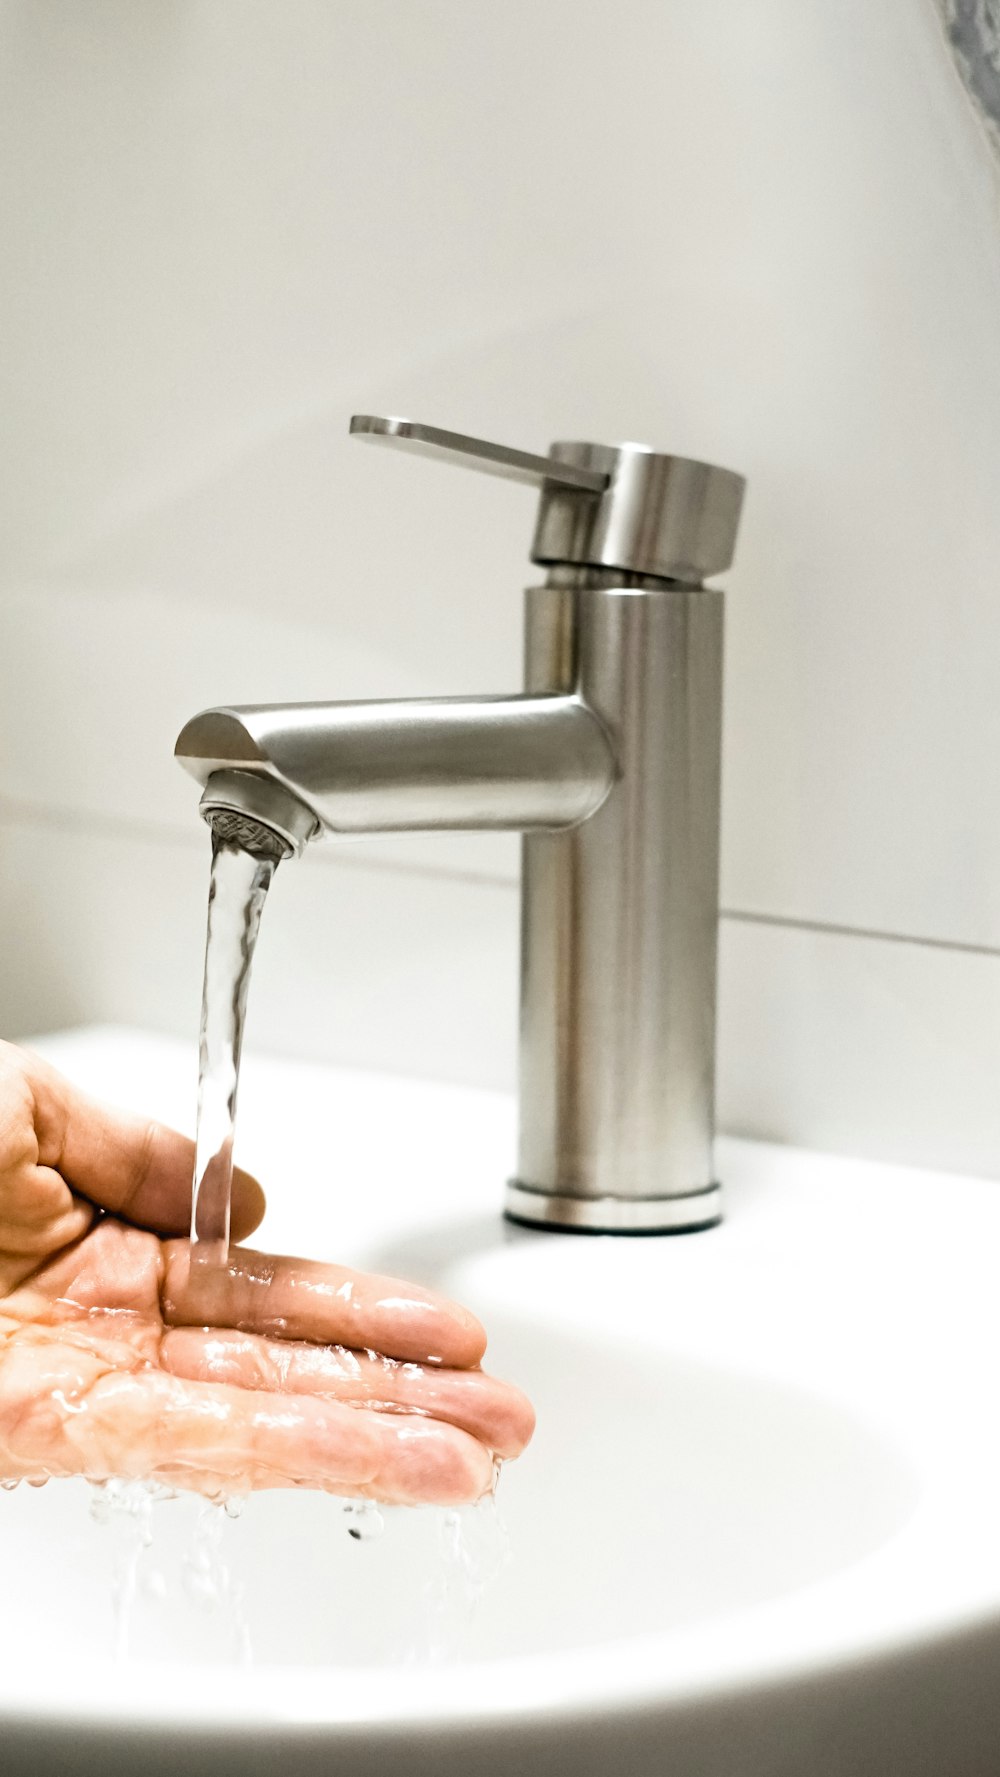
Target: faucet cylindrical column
pixel 619 921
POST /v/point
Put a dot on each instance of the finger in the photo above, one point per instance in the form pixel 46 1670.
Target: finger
pixel 495 1412
pixel 138 1423
pixel 139 1169
pixel 324 1304
pixel 214 1439
pixel 423 1462
pixel 24 1249
pixel 37 1205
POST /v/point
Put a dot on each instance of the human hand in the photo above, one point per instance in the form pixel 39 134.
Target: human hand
pixel 119 1357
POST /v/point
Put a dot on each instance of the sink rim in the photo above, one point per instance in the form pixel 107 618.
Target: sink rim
pixel 779 1645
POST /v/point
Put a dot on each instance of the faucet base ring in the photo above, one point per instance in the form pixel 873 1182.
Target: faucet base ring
pixel 532 1208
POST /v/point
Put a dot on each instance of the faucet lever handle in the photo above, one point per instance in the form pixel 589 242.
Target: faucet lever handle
pixel 477 453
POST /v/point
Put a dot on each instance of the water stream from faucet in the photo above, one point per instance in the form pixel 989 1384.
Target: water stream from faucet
pixel 237 892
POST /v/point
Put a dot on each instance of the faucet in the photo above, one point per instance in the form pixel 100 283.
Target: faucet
pixel 608 763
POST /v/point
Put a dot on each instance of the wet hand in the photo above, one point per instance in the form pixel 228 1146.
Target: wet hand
pixel 119 1357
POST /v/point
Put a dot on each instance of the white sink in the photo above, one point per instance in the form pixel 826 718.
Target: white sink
pixel 754 1533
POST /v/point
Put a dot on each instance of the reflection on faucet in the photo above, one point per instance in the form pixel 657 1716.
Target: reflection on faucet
pixel 608 762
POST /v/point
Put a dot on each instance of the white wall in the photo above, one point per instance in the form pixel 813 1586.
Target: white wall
pixel 762 231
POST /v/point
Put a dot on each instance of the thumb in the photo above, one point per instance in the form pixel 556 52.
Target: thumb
pixel 130 1165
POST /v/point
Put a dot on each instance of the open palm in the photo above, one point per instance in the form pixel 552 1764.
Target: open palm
pixel 121 1357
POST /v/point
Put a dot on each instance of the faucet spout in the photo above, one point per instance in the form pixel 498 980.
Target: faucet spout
pixel 526 763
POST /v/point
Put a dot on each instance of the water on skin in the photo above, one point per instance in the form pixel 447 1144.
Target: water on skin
pixel 237 893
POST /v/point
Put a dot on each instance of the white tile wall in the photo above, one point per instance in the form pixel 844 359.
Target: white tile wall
pixel 407 971
pixel 762 231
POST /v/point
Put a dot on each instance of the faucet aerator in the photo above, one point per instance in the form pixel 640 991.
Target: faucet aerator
pixel 251 836
pixel 248 809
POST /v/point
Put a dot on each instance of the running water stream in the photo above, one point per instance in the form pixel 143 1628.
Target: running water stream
pixel 240 880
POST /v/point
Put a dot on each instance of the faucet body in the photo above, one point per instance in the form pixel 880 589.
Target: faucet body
pixel 608 762
pixel 619 918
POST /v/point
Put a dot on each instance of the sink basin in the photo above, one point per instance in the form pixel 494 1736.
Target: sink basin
pixel 650 1502
pixel 755 1530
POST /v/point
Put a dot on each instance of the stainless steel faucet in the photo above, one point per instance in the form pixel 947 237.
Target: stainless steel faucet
pixel 608 762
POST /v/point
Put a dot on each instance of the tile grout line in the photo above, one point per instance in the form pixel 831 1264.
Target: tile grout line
pixel 94 823
pixel 68 820
pixel 827 928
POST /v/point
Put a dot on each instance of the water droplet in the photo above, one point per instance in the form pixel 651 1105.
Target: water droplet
pixel 8 1486
pixel 364 1520
pixel 234 1506
pixel 100 1504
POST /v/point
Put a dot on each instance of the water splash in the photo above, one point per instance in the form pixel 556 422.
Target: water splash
pixel 203 1579
pixel 207 1578
pixel 474 1548
pixel 128 1506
